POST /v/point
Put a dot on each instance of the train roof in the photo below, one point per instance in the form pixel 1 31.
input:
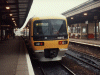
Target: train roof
pixel 48 16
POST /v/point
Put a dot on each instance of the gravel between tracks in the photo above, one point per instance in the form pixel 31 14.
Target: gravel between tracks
pixel 76 68
pixel 86 49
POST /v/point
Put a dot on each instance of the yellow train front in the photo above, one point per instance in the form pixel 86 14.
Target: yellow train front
pixel 48 37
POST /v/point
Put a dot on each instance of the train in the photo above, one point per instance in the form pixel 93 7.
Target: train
pixel 47 36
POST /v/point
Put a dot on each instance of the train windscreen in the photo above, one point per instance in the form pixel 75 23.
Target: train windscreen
pixel 49 29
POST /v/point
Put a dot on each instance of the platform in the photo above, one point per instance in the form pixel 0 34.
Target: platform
pixel 86 42
pixel 14 58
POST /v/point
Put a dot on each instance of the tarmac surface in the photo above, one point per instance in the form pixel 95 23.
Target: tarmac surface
pixel 13 57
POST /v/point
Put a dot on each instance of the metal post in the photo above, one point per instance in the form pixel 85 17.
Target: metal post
pixel 1 27
pixel 87 31
pixel 0 22
pixel 1 33
pixel 86 22
pixel 77 28
pixel 95 31
pixel 26 32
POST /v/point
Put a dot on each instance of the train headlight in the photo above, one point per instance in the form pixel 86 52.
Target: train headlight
pixel 62 42
pixel 39 43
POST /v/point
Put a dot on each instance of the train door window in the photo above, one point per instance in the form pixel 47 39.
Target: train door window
pixel 42 27
pixel 58 26
pixel 84 29
pixel 45 29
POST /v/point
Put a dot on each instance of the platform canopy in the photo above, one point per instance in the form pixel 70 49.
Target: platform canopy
pixel 89 10
pixel 14 12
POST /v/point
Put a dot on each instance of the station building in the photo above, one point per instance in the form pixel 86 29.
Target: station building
pixel 84 20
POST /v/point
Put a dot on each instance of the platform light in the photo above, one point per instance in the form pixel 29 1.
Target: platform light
pixel 72 18
pixel 85 13
pixel 10 14
pixel 12 18
pixel 13 21
pixel 7 7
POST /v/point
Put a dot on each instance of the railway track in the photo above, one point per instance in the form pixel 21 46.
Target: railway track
pixel 86 44
pixel 70 72
pixel 43 72
pixel 89 60
pixel 41 68
pixel 86 55
pixel 64 70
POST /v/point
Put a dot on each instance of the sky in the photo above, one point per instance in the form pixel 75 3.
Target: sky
pixel 51 7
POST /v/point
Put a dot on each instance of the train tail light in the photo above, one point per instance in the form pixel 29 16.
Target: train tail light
pixel 62 42
pixel 39 43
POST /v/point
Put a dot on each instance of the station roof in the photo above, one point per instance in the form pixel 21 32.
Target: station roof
pixel 19 10
pixel 89 10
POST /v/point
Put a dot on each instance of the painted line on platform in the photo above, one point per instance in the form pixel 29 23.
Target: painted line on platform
pixel 86 43
pixel 29 64
pixel 30 68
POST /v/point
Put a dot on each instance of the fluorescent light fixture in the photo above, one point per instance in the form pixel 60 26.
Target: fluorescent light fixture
pixel 7 7
pixel 85 13
pixel 10 14
pixel 12 18
pixel 13 21
pixel 72 18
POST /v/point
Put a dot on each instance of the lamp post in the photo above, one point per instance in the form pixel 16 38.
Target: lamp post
pixel 95 18
pixel 3 16
pixel 0 23
pixel 86 22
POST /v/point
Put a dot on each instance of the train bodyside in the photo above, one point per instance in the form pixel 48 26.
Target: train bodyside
pixel 50 44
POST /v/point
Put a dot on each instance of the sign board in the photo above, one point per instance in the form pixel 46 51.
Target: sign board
pixel 86 22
